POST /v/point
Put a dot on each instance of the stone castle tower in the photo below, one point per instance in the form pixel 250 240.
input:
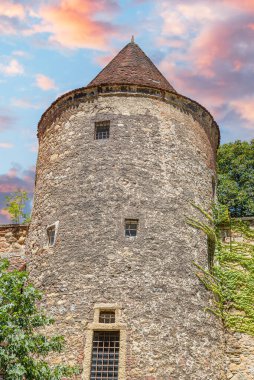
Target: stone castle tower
pixel 120 162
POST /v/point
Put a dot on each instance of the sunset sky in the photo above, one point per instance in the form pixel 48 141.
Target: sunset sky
pixel 205 48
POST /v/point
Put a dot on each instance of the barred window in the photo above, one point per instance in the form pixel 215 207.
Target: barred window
pixel 102 130
pixel 107 317
pixel 105 355
pixel 131 227
pixel 51 231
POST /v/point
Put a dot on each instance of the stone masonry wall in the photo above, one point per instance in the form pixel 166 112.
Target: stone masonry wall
pixel 12 244
pixel 240 347
pixel 156 162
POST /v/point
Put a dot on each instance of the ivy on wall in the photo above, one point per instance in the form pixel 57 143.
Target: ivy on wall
pixel 231 268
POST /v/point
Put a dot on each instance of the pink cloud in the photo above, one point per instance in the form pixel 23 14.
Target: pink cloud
pixel 12 14
pixel 5 217
pixel 245 107
pixel 12 68
pixel 77 23
pixel 33 148
pixel 242 5
pixel 70 24
pixel 6 122
pixel 103 60
pixel 213 63
pixel 12 9
pixel 24 103
pixel 229 42
pixel 17 178
pixel 45 83
pixel 6 145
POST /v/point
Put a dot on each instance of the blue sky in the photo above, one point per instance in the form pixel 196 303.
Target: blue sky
pixel 204 48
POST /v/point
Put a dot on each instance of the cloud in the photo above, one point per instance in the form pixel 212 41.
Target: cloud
pixel 230 42
pixel 12 9
pixel 12 68
pixel 245 108
pixel 242 5
pixel 7 27
pixel 16 178
pixel 33 147
pixel 23 103
pixel 4 216
pixel 45 83
pixel 77 23
pixel 6 145
pixel 210 56
pixel 20 53
pixel 71 24
pixel 6 122
pixel 12 16
pixel 103 60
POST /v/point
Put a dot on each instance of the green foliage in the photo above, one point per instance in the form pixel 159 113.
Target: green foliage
pixel 235 165
pixel 231 278
pixel 15 204
pixel 23 347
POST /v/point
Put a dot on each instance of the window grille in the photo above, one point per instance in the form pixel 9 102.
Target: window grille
pixel 51 235
pixel 107 317
pixel 102 130
pixel 131 227
pixel 105 355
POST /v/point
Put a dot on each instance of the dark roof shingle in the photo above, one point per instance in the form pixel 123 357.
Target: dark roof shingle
pixel 132 66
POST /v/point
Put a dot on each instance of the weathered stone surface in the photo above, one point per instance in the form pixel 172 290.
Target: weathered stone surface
pixel 157 160
pixel 12 244
pixel 240 377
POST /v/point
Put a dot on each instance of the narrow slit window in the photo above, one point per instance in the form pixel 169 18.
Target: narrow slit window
pixel 131 227
pixel 105 355
pixel 102 130
pixel 213 187
pixel 107 317
pixel 51 235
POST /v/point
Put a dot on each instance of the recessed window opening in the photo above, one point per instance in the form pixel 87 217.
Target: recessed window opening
pixel 107 317
pixel 51 231
pixel 213 187
pixel 105 355
pixel 131 227
pixel 102 130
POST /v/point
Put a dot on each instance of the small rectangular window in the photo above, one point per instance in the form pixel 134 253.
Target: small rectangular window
pixel 102 130
pixel 51 235
pixel 107 317
pixel 105 355
pixel 131 227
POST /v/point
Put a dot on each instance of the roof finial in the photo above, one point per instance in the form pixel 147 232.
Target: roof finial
pixel 132 39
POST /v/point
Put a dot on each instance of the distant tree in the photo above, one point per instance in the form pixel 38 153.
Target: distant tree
pixel 15 205
pixel 22 346
pixel 235 166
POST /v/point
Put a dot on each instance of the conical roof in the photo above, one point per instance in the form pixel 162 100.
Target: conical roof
pixel 132 66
